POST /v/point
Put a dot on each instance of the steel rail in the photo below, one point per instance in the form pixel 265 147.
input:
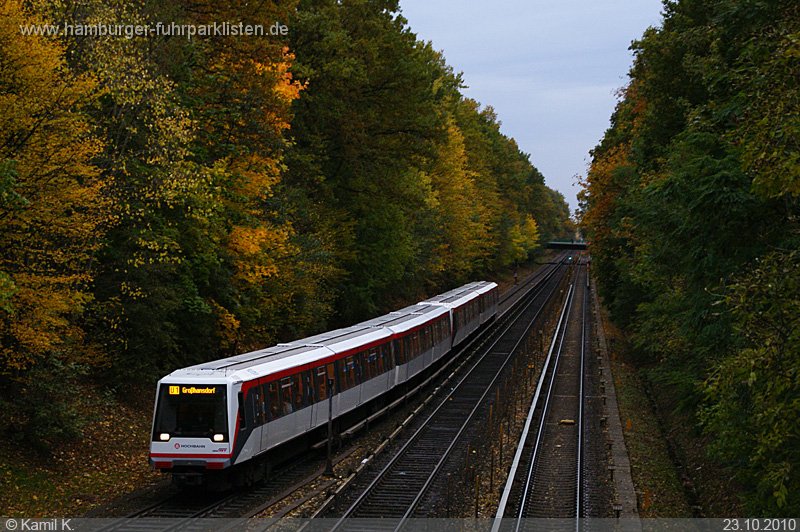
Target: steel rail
pixel 516 469
pixel 533 293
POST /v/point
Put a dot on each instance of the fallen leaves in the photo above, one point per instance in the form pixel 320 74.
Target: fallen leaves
pixel 108 462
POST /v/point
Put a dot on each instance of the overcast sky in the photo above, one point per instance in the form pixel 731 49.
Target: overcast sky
pixel 549 68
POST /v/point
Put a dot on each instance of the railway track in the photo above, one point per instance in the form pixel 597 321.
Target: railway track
pixel 547 476
pixel 398 489
pixel 184 510
pixel 181 510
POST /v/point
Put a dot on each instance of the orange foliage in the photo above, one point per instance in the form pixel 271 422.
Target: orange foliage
pixel 600 184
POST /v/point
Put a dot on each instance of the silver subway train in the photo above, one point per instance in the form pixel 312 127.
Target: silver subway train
pixel 222 416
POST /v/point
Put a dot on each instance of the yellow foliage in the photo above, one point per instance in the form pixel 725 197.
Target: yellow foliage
pixel 258 251
pixel 51 227
pixel 256 176
pixel 530 233
pixel 228 326
pixel 463 214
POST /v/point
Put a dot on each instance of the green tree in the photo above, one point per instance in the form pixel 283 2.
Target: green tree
pixel 692 185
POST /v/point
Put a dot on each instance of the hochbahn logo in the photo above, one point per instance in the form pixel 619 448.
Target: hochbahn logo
pixel 177 390
pixel 189 446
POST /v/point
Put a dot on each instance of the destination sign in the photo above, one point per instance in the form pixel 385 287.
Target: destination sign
pixel 191 390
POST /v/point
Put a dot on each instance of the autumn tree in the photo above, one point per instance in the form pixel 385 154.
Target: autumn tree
pixel 169 200
pixel 690 206
pixel 52 218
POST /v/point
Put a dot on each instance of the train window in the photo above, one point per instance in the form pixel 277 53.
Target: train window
pixel 363 365
pixel 321 383
pixel 242 419
pixel 352 371
pixel 332 377
pixel 386 356
pixel 397 346
pixel 347 377
pixel 286 396
pixel 372 363
pixel 258 405
pixel 252 406
pixel 360 364
pixel 299 391
pixel 274 400
pixel 340 380
pixel 308 388
pixel 263 408
pixel 380 362
pixel 364 373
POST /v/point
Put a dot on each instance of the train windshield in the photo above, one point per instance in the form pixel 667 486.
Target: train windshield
pixel 191 411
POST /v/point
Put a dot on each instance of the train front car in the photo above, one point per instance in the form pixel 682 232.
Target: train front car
pixel 192 427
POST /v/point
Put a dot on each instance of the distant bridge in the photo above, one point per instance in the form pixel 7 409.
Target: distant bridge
pixel 566 245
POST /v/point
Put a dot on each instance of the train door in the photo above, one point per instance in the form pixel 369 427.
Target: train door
pixel 302 401
pixel 442 336
pixel 413 346
pixel 400 366
pixel 458 324
pixel 249 431
pixel 349 380
pixel 281 424
pixel 372 371
pixel 324 382
pixel 387 365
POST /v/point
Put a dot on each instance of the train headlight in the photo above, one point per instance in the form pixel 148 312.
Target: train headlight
pixel 164 436
pixel 218 437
